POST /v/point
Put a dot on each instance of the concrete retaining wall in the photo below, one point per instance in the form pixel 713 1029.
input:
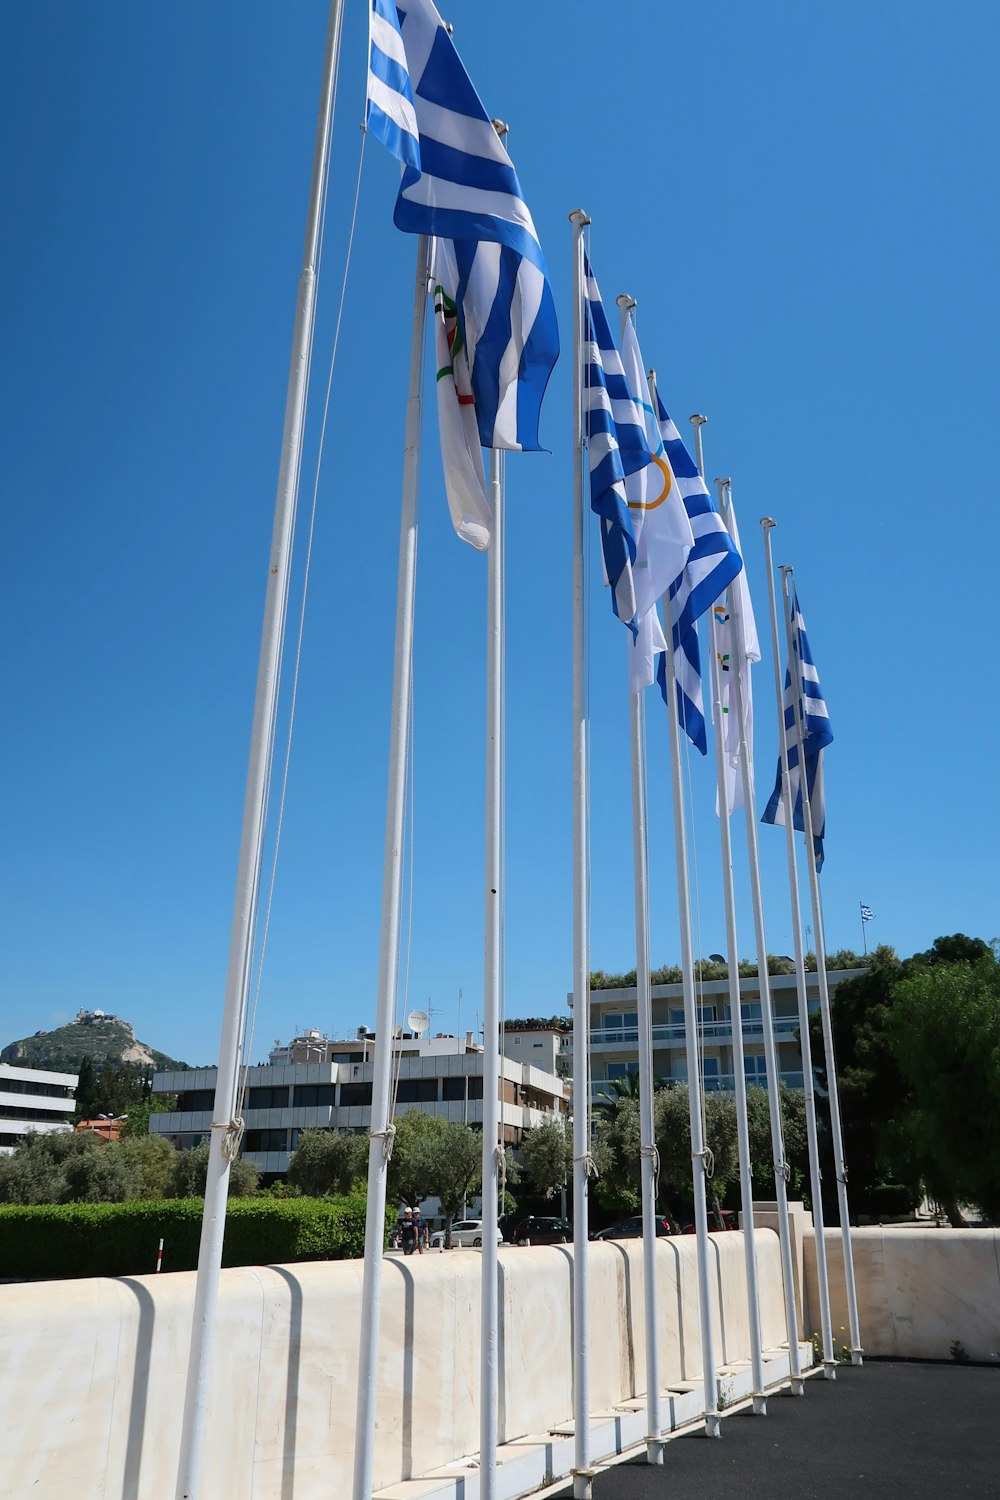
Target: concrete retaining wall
pixel 92 1372
pixel 919 1290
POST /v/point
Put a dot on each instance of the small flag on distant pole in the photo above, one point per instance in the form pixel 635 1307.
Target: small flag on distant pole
pixel 803 687
pixel 867 915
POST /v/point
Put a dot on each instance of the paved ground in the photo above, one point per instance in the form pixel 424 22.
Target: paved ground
pixel 887 1430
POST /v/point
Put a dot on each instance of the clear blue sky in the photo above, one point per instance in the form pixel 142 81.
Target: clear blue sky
pixel 803 200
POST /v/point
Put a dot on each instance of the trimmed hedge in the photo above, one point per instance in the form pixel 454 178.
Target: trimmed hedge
pixel 48 1241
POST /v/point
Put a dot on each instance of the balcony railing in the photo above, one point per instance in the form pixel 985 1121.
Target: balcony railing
pixel 672 1033
pixel 716 1083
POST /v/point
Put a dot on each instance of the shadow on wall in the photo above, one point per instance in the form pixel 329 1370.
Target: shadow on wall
pixel 140 1387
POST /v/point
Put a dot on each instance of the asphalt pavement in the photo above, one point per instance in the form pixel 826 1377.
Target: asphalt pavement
pixel 887 1430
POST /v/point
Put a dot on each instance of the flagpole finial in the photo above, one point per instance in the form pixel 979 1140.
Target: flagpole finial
pixel 579 217
pixel 723 482
pixel 697 420
pixel 625 302
pixel 501 127
pixel 767 523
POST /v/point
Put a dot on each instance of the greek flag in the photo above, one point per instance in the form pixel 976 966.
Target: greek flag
pixel 802 688
pixel 713 563
pixel 459 184
pixel 867 915
pixel 616 445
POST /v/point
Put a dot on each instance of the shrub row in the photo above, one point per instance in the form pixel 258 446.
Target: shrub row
pixel 120 1239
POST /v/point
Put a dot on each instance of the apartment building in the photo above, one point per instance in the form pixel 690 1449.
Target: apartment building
pixel 440 1075
pixel 33 1099
pixel 614 1035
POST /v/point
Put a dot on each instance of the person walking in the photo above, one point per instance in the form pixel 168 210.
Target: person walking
pixel 409 1232
pixel 421 1229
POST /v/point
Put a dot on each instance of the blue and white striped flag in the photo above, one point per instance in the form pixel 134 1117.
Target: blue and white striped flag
pixel 712 564
pixel 867 915
pixel 459 185
pixel 616 446
pixel 802 684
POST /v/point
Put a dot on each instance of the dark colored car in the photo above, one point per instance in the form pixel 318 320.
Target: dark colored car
pixel 630 1229
pixel 538 1231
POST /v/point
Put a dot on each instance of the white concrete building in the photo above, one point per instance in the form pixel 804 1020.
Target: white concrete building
pixel 614 1035
pixel 285 1098
pixel 33 1099
pixel 545 1047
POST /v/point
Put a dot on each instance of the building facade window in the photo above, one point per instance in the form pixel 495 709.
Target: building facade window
pixel 355 1093
pixel 270 1097
pixel 314 1095
pixel 266 1140
pixel 417 1091
pixel 195 1100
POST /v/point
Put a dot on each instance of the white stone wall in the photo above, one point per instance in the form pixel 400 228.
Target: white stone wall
pixel 919 1290
pixel 92 1372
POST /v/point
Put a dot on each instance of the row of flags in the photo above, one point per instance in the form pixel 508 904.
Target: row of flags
pixel 496 342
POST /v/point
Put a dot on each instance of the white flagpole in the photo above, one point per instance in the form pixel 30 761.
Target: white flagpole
pixel 808 1086
pixel 382 1128
pixel 700 1156
pixel 735 1005
pixel 583 1474
pixel 833 1089
pixel 491 994
pixel 781 1168
pixel 647 1139
pixel 227 1129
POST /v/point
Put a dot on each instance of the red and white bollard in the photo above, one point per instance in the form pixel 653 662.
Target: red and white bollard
pixel 159 1258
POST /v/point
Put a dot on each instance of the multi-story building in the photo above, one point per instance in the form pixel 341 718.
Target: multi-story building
pixel 440 1075
pixel 33 1099
pixel 545 1047
pixel 614 1035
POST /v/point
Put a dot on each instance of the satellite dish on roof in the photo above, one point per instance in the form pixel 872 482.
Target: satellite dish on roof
pixel 418 1021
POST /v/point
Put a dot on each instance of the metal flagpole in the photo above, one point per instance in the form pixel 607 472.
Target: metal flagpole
pixel 808 1086
pixel 227 1129
pixel 833 1089
pixel 583 1474
pixel 735 1005
pixel 701 1157
pixel 782 1171
pixel 489 1354
pixel 382 1128
pixel 647 1140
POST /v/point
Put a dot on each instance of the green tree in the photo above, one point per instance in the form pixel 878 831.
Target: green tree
pixel 69 1167
pixel 153 1157
pixel 455 1165
pixel 945 1029
pixel 86 1091
pixel 547 1157
pixel 137 1122
pixel 328 1161
pixel 411 1167
pixel 190 1173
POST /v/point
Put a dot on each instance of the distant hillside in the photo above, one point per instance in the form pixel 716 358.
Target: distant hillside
pixel 103 1038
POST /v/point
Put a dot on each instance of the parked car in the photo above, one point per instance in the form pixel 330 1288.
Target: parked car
pixel 464 1232
pixel 730 1219
pixel 539 1231
pixel 630 1229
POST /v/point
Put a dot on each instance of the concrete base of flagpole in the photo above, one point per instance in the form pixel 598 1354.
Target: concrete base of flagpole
pixel 654 1450
pixel 829 1369
pixel 797 1386
pixel 713 1425
pixel 760 1406
pixel 857 1358
pixel 583 1484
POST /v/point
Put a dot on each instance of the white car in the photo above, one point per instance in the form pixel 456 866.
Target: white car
pixel 464 1232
